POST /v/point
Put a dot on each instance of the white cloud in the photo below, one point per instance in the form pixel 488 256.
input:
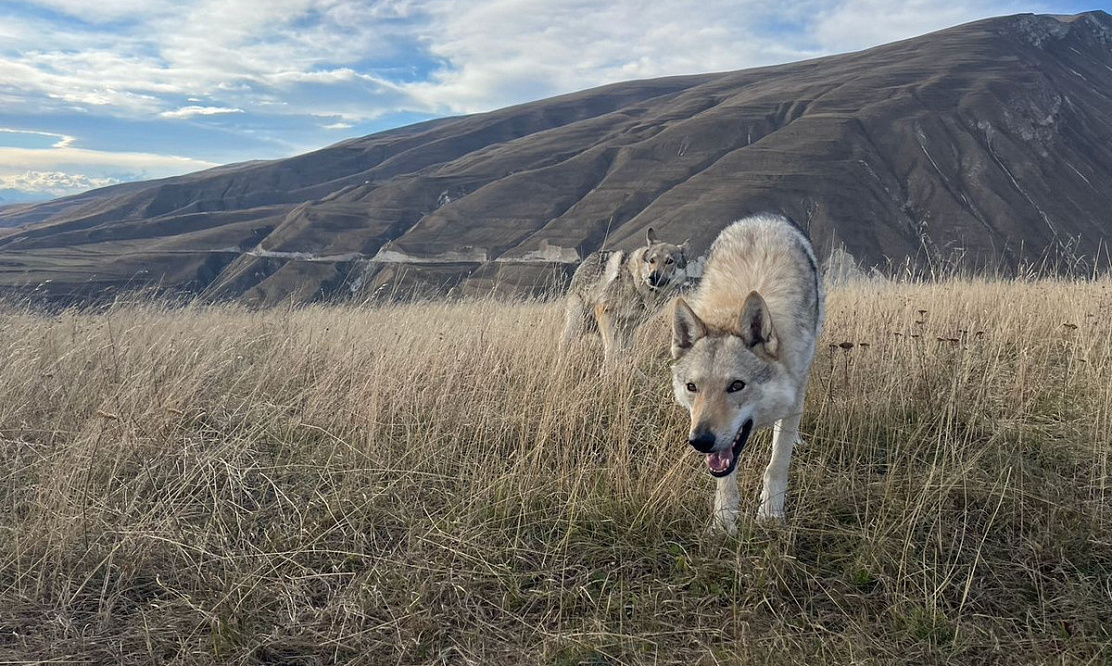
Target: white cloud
pixel 505 51
pixel 338 126
pixel 104 11
pixel 53 183
pixel 14 161
pixel 140 58
pixel 63 140
pixel 109 83
pixel 851 25
pixel 190 111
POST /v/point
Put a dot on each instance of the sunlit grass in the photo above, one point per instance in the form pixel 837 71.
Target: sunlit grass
pixel 438 483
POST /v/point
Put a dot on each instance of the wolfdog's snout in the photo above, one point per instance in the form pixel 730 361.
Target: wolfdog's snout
pixel 702 439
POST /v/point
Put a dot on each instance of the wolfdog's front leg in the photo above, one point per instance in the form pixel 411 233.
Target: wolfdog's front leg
pixel 725 504
pixel 575 319
pixel 784 435
pixel 607 328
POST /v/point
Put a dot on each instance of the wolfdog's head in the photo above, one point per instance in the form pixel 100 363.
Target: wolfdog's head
pixel 659 265
pixel 731 381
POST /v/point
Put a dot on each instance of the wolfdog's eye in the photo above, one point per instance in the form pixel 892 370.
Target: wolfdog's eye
pixel 691 387
pixel 736 386
pixel 668 260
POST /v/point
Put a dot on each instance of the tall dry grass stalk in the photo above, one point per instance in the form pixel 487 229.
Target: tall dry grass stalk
pixel 437 483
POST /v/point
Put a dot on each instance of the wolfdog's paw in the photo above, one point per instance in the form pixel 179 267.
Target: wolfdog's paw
pixel 723 525
pixel 769 514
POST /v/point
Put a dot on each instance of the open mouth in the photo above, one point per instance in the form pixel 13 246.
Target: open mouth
pixel 721 463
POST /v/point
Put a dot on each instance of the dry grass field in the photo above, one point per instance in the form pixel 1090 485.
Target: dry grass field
pixel 435 483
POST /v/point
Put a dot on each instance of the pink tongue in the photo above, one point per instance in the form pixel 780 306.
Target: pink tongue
pixel 720 461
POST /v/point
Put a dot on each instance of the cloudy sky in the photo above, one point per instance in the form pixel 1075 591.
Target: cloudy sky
pixel 94 92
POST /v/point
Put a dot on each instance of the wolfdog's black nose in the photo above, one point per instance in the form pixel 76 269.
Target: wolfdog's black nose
pixel 702 440
pixel 656 279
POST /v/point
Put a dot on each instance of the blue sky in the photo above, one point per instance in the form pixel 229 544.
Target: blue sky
pixel 98 92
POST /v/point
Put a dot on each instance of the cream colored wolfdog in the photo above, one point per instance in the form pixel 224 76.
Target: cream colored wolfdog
pixel 743 351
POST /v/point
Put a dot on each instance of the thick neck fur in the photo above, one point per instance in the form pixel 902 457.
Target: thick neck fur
pixel 763 256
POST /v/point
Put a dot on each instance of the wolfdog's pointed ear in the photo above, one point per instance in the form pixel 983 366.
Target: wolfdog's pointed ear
pixel 756 325
pixel 650 236
pixel 687 329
